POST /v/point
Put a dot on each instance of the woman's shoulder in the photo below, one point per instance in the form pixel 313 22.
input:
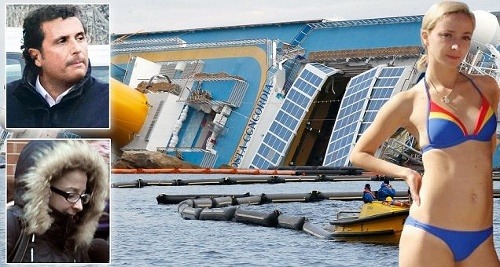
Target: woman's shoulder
pixel 14 227
pixel 401 105
pixel 483 82
pixel 13 217
pixel 408 97
pixel 487 85
pixel 14 211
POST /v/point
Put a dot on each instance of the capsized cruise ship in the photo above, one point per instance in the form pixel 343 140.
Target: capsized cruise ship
pixel 296 93
pixel 267 95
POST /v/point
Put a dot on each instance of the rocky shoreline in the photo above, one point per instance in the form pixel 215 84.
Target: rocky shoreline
pixel 150 160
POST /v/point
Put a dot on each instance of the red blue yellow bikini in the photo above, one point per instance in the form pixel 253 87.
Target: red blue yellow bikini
pixel 444 129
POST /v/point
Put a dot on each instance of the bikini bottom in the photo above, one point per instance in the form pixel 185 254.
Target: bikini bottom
pixel 461 243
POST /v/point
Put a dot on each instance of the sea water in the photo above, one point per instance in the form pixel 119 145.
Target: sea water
pixel 145 233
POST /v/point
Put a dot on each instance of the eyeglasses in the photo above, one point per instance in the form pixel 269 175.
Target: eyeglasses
pixel 72 197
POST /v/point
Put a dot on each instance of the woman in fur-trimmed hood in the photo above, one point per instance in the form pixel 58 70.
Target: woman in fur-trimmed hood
pixel 61 191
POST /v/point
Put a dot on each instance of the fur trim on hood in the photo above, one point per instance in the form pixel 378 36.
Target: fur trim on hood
pixel 39 163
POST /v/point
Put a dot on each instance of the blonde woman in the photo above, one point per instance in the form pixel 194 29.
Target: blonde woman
pixel 453 116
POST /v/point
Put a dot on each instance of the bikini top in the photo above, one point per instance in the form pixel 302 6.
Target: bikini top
pixel 444 129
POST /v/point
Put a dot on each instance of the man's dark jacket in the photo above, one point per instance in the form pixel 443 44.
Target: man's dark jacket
pixel 85 106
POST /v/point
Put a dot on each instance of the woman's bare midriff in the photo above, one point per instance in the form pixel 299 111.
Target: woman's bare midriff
pixel 456 191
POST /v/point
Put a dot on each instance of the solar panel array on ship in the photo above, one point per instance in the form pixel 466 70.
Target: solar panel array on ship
pixel 364 96
pixel 293 109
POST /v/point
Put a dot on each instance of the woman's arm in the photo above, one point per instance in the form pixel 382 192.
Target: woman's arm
pixel 492 90
pixel 392 116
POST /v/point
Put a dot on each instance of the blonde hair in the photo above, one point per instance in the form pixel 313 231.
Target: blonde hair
pixel 434 15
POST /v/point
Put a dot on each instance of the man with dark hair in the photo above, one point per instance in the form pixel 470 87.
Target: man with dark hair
pixel 368 195
pixel 57 89
pixel 386 190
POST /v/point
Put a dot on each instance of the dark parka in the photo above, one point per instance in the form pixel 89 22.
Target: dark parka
pixel 86 106
pixel 57 237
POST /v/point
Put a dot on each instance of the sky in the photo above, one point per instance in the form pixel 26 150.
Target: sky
pixel 130 16
pixel 188 14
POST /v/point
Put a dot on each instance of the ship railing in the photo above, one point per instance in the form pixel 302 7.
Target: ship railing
pixel 180 149
pixel 364 22
pixel 147 47
pixel 404 151
pixel 400 149
pixel 482 63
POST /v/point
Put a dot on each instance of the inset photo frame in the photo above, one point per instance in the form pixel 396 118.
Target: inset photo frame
pixel 57 66
pixel 58 200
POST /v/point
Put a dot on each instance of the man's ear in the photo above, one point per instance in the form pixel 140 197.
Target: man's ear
pixel 36 56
